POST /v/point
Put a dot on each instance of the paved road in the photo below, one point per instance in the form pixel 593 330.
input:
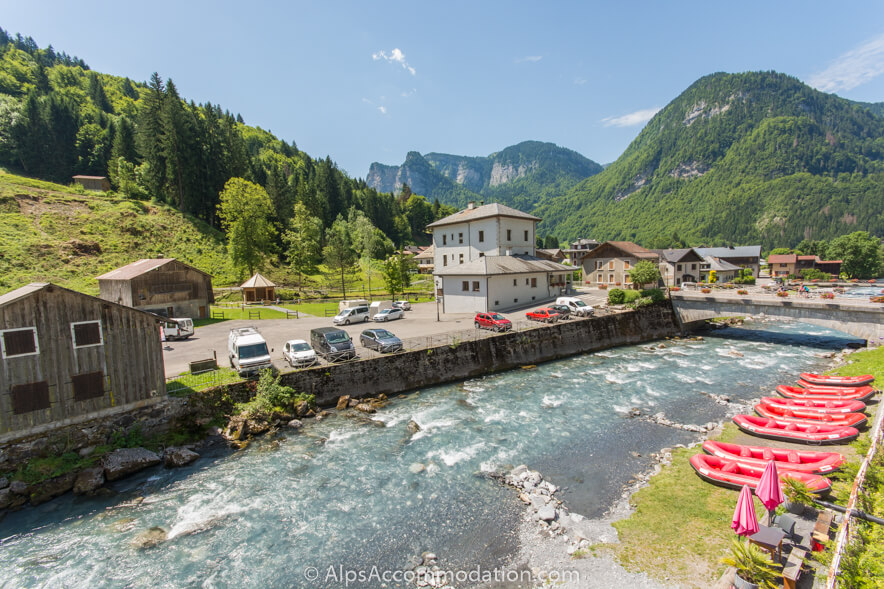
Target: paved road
pixel 420 322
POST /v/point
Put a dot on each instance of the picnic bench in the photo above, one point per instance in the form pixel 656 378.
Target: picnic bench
pixel 792 568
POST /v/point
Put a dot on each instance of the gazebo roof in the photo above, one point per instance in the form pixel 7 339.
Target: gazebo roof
pixel 257 281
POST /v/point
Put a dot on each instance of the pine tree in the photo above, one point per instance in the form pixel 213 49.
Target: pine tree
pixel 149 137
pixel 338 254
pixel 98 95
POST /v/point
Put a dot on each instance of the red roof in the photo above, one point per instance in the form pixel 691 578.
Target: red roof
pixel 782 259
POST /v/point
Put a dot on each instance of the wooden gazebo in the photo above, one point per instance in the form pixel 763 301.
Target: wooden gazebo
pixel 257 289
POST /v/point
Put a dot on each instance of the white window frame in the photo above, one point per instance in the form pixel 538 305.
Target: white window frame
pixel 74 336
pixel 3 343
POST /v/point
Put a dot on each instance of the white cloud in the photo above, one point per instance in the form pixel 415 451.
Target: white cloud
pixel 531 58
pixel 853 68
pixel 638 117
pixel 580 81
pixel 408 93
pixel 382 109
pixel 395 56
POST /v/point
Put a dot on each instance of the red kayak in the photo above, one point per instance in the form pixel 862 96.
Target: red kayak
pixel 826 390
pixel 797 415
pixel 734 475
pixel 793 431
pixel 791 460
pixel 859 394
pixel 833 406
pixel 837 381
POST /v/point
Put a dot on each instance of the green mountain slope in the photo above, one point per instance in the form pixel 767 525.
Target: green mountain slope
pixel 737 158
pixel 50 233
pixel 519 175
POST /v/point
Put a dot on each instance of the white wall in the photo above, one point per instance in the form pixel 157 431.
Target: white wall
pixel 463 239
pixel 458 301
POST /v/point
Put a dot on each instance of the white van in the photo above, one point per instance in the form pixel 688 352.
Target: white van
pixel 247 350
pixel 351 315
pixel 577 306
pixel 177 329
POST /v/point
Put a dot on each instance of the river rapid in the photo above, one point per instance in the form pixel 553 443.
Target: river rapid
pixel 361 491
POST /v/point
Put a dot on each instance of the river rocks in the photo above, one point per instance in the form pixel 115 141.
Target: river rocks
pixel 4 482
pixel 89 480
pixel 546 513
pixel 176 456
pixel 343 402
pixel 5 498
pixel 661 419
pixel 125 461
pixel 52 488
pixel 295 424
pixel 302 408
pixel 18 487
pixel 417 467
pixel 87 451
pixel 257 426
pixel 150 538
pixel 413 426
pixel 366 408
pixel 237 429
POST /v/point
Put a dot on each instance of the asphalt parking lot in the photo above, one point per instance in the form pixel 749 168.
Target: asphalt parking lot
pixel 211 340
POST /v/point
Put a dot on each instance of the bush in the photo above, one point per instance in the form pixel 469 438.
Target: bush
pixel 640 302
pixel 270 395
pixel 616 296
pixel 655 294
pixel 631 296
pixel 814 274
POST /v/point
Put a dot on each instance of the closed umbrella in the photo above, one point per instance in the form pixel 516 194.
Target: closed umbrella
pixel 745 523
pixel 768 489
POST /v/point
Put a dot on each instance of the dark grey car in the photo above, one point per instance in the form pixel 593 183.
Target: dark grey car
pixel 380 340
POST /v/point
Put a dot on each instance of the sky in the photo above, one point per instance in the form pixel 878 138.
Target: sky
pixel 370 81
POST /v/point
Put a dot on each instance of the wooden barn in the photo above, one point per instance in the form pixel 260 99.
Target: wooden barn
pixel 94 183
pixel 67 357
pixel 163 286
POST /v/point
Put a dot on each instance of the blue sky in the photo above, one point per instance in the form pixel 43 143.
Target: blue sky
pixel 364 82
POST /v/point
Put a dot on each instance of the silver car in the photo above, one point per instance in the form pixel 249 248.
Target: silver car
pixel 298 353
pixel 404 305
pixel 381 340
pixel 388 314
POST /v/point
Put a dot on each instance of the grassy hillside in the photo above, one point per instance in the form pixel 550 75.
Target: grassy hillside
pixel 50 232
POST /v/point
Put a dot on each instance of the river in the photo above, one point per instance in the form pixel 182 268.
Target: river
pixel 361 491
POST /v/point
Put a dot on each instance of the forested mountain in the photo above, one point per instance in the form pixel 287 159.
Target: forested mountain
pixel 736 159
pixel 518 176
pixel 58 118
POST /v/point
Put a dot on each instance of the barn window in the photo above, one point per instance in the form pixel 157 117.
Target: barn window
pixel 87 333
pixel 32 396
pixel 88 386
pixel 19 342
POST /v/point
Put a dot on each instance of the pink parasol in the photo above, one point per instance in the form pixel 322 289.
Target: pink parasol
pixel 745 523
pixel 768 489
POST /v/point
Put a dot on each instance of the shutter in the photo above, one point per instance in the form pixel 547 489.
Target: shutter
pixel 88 386
pixel 29 397
pixel 87 334
pixel 19 342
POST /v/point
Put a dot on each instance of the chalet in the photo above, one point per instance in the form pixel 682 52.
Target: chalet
pixel 579 249
pixel 94 183
pixel 552 254
pixel 609 264
pixel 257 289
pixel 484 260
pixel 679 265
pixel 784 265
pixel 425 259
pixel 67 357
pixel 724 270
pixel 163 286
pixel 744 256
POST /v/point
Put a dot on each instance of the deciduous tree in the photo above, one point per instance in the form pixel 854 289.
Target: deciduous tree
pixel 302 241
pixel 338 254
pixel 644 272
pixel 245 212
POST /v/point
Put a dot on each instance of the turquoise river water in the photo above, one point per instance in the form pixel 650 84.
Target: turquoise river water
pixel 359 491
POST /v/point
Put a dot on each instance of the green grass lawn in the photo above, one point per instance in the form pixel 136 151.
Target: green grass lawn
pixel 187 383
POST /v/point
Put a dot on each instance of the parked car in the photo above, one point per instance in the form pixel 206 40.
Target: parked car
pixel 247 350
pixel 544 314
pixel 404 305
pixel 351 315
pixel 577 306
pixel 299 354
pixel 380 340
pixel 388 314
pixel 493 321
pixel 564 311
pixel 177 329
pixel 332 343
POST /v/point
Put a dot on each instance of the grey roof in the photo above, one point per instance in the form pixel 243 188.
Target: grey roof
pixel 29 289
pixel 22 292
pixel 257 281
pixel 720 265
pixel 135 269
pixel 489 210
pixel 676 255
pixel 741 251
pixel 495 265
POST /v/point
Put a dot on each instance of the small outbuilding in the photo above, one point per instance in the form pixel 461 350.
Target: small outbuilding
pixel 257 289
pixel 67 357
pixel 94 183
pixel 164 286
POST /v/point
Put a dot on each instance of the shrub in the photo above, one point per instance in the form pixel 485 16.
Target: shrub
pixel 640 302
pixel 270 395
pixel 630 296
pixel 814 274
pixel 655 294
pixel 616 296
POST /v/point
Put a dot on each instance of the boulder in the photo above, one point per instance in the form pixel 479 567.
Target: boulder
pixel 343 401
pixel 237 429
pixel 125 461
pixel 177 456
pixel 84 452
pixel 5 498
pixel 257 426
pixel 88 480
pixel 18 487
pixel 366 408
pixel 416 467
pixel 4 482
pixel 413 426
pixel 295 424
pixel 547 513
pixel 149 538
pixel 302 408
pixel 43 492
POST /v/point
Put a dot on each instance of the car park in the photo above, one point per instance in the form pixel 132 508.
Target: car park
pixel 247 351
pixel 332 343
pixel 351 315
pixel 404 305
pixel 544 314
pixel 564 311
pixel 492 321
pixel 380 340
pixel 388 314
pixel 299 354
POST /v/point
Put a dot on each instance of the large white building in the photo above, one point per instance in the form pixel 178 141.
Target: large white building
pixel 484 261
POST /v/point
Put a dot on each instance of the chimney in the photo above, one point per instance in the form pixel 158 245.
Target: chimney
pixel 471 205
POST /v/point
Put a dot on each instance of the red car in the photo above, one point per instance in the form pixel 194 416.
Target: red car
pixel 544 314
pixel 493 321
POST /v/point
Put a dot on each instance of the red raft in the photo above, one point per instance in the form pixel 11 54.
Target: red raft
pixel 830 390
pixel 837 381
pixel 857 394
pixel 794 431
pixel 797 415
pixel 727 473
pixel 790 460
pixel 833 406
